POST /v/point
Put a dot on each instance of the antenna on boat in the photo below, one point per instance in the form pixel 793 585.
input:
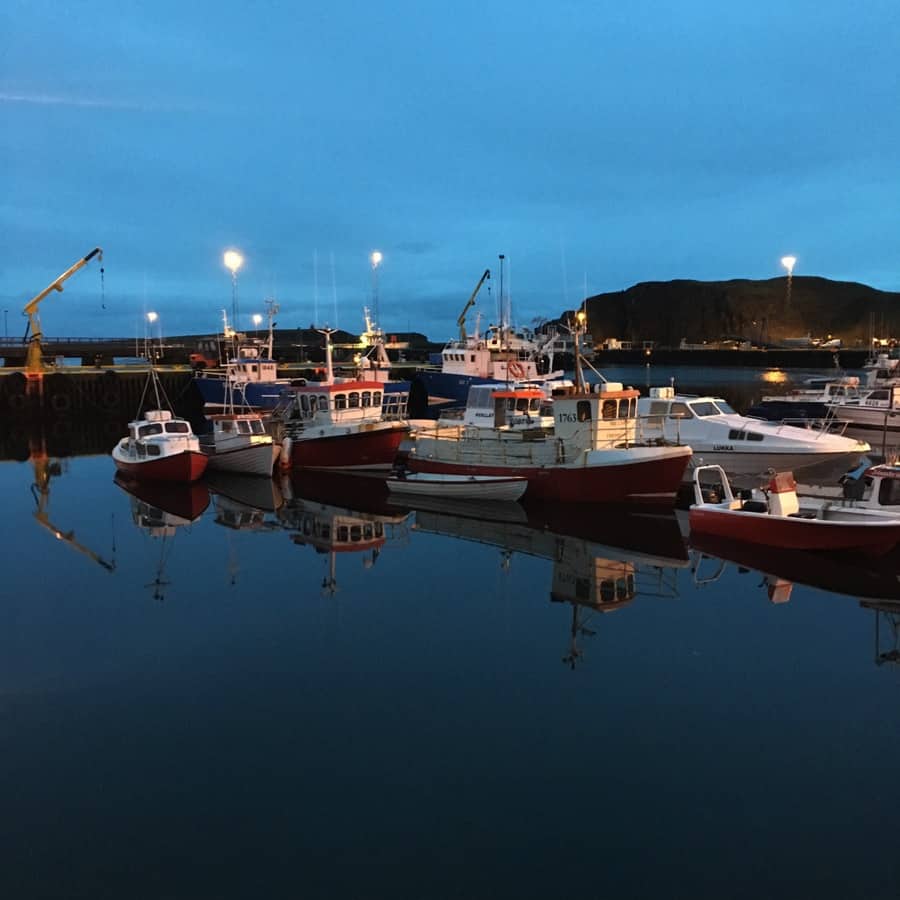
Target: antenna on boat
pixel 329 370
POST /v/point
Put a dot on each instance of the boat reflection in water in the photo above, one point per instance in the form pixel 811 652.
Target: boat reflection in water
pixel 160 509
pixel 245 503
pixel 874 581
pixel 602 558
pixel 340 513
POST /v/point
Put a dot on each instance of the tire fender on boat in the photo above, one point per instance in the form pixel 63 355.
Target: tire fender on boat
pixel 285 458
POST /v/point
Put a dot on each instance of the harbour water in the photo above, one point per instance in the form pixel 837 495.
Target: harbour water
pixel 297 689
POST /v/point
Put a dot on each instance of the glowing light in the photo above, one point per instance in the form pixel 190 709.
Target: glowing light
pixel 774 377
pixel 581 316
pixel 233 260
pixel 152 317
pixel 789 262
pixel 257 319
pixel 376 258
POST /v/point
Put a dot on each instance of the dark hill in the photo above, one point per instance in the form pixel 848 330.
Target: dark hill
pixel 667 311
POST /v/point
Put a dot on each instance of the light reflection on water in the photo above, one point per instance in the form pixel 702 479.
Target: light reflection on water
pixel 379 701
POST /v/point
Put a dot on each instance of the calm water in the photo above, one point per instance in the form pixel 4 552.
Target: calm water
pixel 205 702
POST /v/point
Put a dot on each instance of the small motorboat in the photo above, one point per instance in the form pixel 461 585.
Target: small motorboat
pixel 160 447
pixel 458 487
pixel 239 443
pixel 779 519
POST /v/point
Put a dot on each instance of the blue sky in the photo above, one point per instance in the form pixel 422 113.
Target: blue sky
pixel 592 143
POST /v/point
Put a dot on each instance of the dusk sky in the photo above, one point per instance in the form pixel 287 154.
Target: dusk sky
pixel 592 143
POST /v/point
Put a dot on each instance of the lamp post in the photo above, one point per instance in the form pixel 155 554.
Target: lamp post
pixel 151 318
pixel 375 259
pixel 233 261
pixel 788 262
pixel 5 323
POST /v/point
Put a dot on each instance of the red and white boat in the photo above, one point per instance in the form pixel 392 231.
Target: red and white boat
pixel 160 447
pixel 782 520
pixel 587 451
pixel 340 423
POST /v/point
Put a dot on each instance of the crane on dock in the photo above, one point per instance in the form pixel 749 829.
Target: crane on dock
pixel 461 321
pixel 33 363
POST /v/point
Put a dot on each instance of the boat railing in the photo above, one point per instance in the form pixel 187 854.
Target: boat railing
pixel 826 425
pixel 393 406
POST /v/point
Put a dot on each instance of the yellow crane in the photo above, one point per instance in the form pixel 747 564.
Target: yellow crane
pixel 461 321
pixel 44 469
pixel 33 363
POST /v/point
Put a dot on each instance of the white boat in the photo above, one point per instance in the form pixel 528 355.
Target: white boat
pixel 779 518
pixel 740 444
pixel 159 446
pixel 459 487
pixel 239 443
pixel 878 409
pixel 814 401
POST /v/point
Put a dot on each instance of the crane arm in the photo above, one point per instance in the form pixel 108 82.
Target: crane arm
pixel 461 321
pixel 68 537
pixel 31 307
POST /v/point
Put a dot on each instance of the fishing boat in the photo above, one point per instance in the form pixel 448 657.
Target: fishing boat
pixel 814 401
pixel 239 443
pixel 459 487
pixel 743 445
pixel 589 452
pixel 779 519
pixel 340 423
pixel 250 375
pixel 159 446
pixel 502 355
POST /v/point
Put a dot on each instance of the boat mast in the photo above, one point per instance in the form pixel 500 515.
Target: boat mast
pixel 271 312
pixel 580 317
pixel 329 370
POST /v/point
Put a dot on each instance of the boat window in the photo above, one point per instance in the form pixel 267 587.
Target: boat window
pixel 754 436
pixel 368 532
pixel 735 434
pixel 141 449
pixel 725 407
pixel 607 591
pixel 366 398
pixel 584 411
pixel 253 367
pixel 376 398
pixel 379 529
pixel 147 430
pixel 355 533
pixel 257 427
pixel 878 395
pixel 889 492
pixel 632 407
pixel 522 404
pixel 340 401
pixel 353 402
pixel 227 426
pixel 704 408
pixel 342 533
pixel 658 408
pixel 325 531
pixel 535 405
pixel 152 449
pixel 243 427
pixel 472 358
pixel 610 409
pixel 132 433
pixel 323 402
pixel 177 427
pixel 680 411
pixel 304 403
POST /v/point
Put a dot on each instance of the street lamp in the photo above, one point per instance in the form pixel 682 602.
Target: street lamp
pixel 151 318
pixel 257 320
pixel 233 261
pixel 788 262
pixel 375 259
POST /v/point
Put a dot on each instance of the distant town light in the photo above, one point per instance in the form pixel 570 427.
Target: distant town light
pixel 789 262
pixel 376 258
pixel 233 260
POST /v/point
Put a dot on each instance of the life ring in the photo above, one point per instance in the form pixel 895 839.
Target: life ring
pixel 516 369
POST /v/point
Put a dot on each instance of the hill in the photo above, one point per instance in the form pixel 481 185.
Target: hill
pixel 668 311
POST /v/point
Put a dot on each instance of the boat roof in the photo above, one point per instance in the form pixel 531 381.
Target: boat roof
pixel 353 385
pixel 512 393
pixel 219 417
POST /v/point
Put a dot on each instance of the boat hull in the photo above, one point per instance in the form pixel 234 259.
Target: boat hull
pixel 794 533
pixel 635 475
pixel 185 467
pixel 217 393
pixel 368 449
pixel 826 466
pixel 257 459
pixel 467 487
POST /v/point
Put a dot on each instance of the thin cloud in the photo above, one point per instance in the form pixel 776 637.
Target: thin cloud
pixel 86 102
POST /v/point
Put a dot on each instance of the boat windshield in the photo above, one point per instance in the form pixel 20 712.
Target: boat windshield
pixel 705 408
pixel 177 427
pixel 725 407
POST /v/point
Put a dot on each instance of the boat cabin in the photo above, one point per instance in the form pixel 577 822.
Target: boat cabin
pixel 487 407
pixel 249 366
pixel 664 403
pixel 345 403
pixel 158 429
pixel 238 423
pixel 604 416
